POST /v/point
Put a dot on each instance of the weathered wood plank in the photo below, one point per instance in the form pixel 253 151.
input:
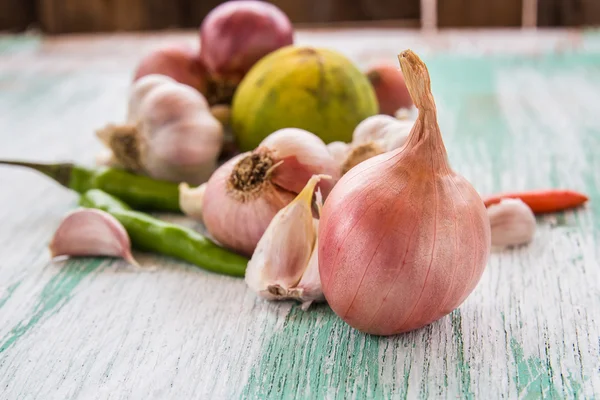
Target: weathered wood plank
pixel 65 16
pixel 94 328
pixel 17 15
pixel 475 13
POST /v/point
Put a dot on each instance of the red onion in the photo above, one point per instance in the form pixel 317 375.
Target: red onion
pixel 236 34
pixel 390 88
pixel 179 62
pixel 403 239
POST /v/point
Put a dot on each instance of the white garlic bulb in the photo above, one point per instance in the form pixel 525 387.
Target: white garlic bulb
pixel 170 135
pixel 375 135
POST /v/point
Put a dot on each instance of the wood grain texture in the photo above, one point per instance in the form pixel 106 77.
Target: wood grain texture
pixel 525 115
pixel 476 13
pixel 64 16
pixel 569 13
pixel 17 15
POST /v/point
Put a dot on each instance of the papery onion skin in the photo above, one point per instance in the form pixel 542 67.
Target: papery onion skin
pixel 239 226
pixel 236 34
pixel 403 240
pixel 303 154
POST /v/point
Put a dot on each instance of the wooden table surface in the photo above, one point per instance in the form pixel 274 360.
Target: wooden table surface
pixel 517 111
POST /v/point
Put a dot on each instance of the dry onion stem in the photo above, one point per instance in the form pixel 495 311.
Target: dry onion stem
pixel 403 239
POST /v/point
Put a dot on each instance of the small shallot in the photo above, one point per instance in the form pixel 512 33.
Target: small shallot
pixel 177 61
pixel 281 268
pixel 244 194
pixel 512 223
pixel 390 88
pixel 236 34
pixel 403 239
pixel 90 232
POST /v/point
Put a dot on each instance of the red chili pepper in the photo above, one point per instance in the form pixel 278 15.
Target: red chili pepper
pixel 542 201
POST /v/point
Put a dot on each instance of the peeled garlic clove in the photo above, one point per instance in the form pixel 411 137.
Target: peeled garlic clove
pixel 90 232
pixel 283 252
pixel 190 200
pixel 302 154
pixel 512 223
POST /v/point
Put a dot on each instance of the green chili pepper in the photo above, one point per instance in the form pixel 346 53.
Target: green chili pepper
pixel 153 235
pixel 139 191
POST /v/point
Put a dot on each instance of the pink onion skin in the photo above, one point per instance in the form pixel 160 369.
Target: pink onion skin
pixel 403 239
pixel 178 61
pixel 251 218
pixel 390 88
pixel 372 269
pixel 236 34
pixel 304 154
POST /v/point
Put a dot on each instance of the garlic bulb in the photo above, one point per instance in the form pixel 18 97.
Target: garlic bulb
pixel 403 239
pixel 170 135
pixel 512 223
pixel 244 194
pixel 283 254
pixel 339 151
pixel 376 135
pixel 90 232
pixel 140 90
pixel 190 200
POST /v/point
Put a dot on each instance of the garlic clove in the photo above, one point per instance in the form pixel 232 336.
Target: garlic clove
pixel 388 132
pixel 304 155
pixel 190 200
pixel 90 232
pixel 170 135
pixel 339 151
pixel 376 135
pixel 359 153
pixel 512 223
pixel 308 290
pixel 185 151
pixel 140 90
pixel 283 252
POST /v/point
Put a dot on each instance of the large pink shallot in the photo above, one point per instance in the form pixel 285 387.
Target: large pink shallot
pixel 403 239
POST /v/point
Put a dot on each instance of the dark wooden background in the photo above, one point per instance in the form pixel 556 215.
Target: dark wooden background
pixel 66 16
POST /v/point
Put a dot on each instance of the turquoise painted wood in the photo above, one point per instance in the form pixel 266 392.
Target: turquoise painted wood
pixel 517 111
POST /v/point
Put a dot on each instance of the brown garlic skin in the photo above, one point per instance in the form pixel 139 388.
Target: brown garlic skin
pixel 90 232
